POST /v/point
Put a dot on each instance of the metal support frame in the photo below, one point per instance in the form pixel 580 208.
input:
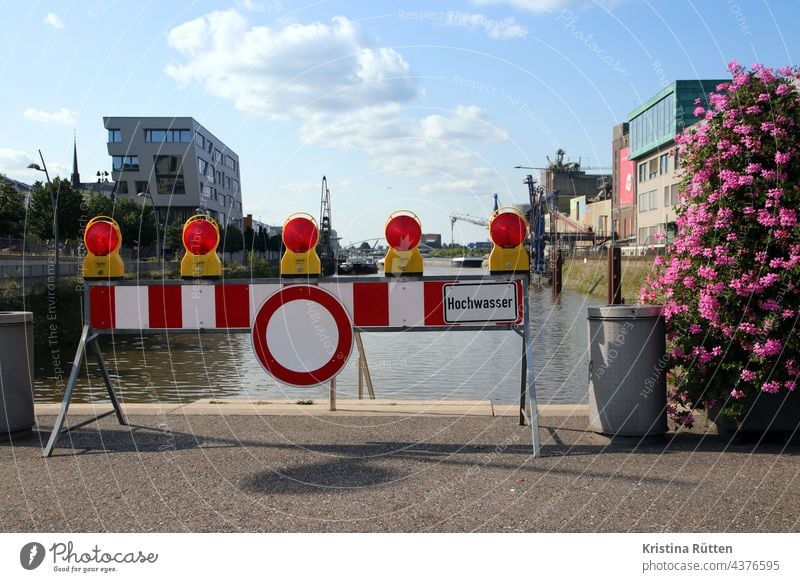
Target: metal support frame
pixel 363 369
pixel 86 340
pixel 89 338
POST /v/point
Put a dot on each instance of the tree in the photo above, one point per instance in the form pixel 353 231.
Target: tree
pixel 40 212
pixel 730 284
pixel 136 221
pixel 231 239
pixel 173 236
pixel 249 239
pixel 12 210
pixel 99 205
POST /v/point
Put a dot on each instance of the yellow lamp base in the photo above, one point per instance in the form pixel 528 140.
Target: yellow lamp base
pixel 509 260
pixel 300 264
pixel 107 267
pixel 201 266
pixel 401 263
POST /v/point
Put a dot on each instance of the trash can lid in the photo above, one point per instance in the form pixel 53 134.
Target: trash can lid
pixel 624 311
pixel 11 317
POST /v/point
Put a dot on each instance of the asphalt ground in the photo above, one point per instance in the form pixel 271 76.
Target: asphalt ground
pixel 388 473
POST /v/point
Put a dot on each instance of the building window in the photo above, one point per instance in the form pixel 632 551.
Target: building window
pixel 648 201
pixel 230 162
pixel 228 182
pixel 663 164
pixel 209 145
pixel 671 196
pixel 121 187
pixel 653 125
pixel 125 163
pixel 235 185
pixel 207 191
pixel 200 140
pixel 167 135
pixel 142 186
pixel 202 166
pixel 652 168
pixel 217 156
pixel 643 172
pixel 114 136
pixel 169 175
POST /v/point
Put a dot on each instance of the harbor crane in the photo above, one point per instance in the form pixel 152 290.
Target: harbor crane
pixel 456 216
pixel 327 256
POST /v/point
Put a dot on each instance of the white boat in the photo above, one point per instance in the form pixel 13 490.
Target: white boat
pixel 467 262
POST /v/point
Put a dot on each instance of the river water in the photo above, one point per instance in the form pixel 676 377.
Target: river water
pixel 460 365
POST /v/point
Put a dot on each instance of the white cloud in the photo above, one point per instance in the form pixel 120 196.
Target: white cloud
pixel 297 69
pixel 53 20
pixel 12 161
pixel 63 116
pixel 14 164
pixel 499 29
pixel 465 124
pixel 347 94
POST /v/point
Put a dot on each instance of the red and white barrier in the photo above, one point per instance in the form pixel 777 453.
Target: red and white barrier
pixel 380 303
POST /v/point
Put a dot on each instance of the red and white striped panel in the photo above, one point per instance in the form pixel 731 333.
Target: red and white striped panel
pixel 379 303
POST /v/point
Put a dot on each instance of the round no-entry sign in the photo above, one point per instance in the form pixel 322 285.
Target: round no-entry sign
pixel 302 335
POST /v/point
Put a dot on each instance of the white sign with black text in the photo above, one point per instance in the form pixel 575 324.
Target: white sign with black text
pixel 481 302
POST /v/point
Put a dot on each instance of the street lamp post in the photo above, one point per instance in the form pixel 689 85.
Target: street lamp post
pixel 155 212
pixel 54 203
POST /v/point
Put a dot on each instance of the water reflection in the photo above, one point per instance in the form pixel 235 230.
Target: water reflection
pixel 404 365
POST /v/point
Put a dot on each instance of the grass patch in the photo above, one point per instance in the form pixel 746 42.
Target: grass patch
pixel 304 402
pixel 590 277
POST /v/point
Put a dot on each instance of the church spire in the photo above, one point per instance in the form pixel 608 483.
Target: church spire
pixel 76 177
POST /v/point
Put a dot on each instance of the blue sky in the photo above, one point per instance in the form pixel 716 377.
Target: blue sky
pixel 403 105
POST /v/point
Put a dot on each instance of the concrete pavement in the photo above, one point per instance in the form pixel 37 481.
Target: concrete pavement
pixel 384 466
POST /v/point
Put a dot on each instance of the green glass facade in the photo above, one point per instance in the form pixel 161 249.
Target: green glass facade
pixel 668 113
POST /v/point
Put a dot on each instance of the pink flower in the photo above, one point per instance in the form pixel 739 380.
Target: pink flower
pixel 787 217
pixel 771 347
pixel 695 328
pixel 772 387
pixel 737 394
pixel 748 375
pixel 782 157
pixel 783 89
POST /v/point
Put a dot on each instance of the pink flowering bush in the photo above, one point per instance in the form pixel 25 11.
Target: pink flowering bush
pixel 730 281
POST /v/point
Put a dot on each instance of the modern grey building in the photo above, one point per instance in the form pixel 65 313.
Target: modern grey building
pixel 178 162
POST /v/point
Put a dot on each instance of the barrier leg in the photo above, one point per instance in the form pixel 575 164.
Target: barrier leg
pixel 363 368
pixel 523 383
pixel 528 363
pixel 73 377
pixel 107 380
pixel 332 393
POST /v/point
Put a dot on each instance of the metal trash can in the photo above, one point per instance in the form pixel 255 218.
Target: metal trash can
pixel 16 372
pixel 627 370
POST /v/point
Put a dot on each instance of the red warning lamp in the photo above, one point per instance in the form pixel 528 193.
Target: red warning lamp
pixel 508 230
pixel 300 236
pixel 200 238
pixel 102 239
pixel 403 233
